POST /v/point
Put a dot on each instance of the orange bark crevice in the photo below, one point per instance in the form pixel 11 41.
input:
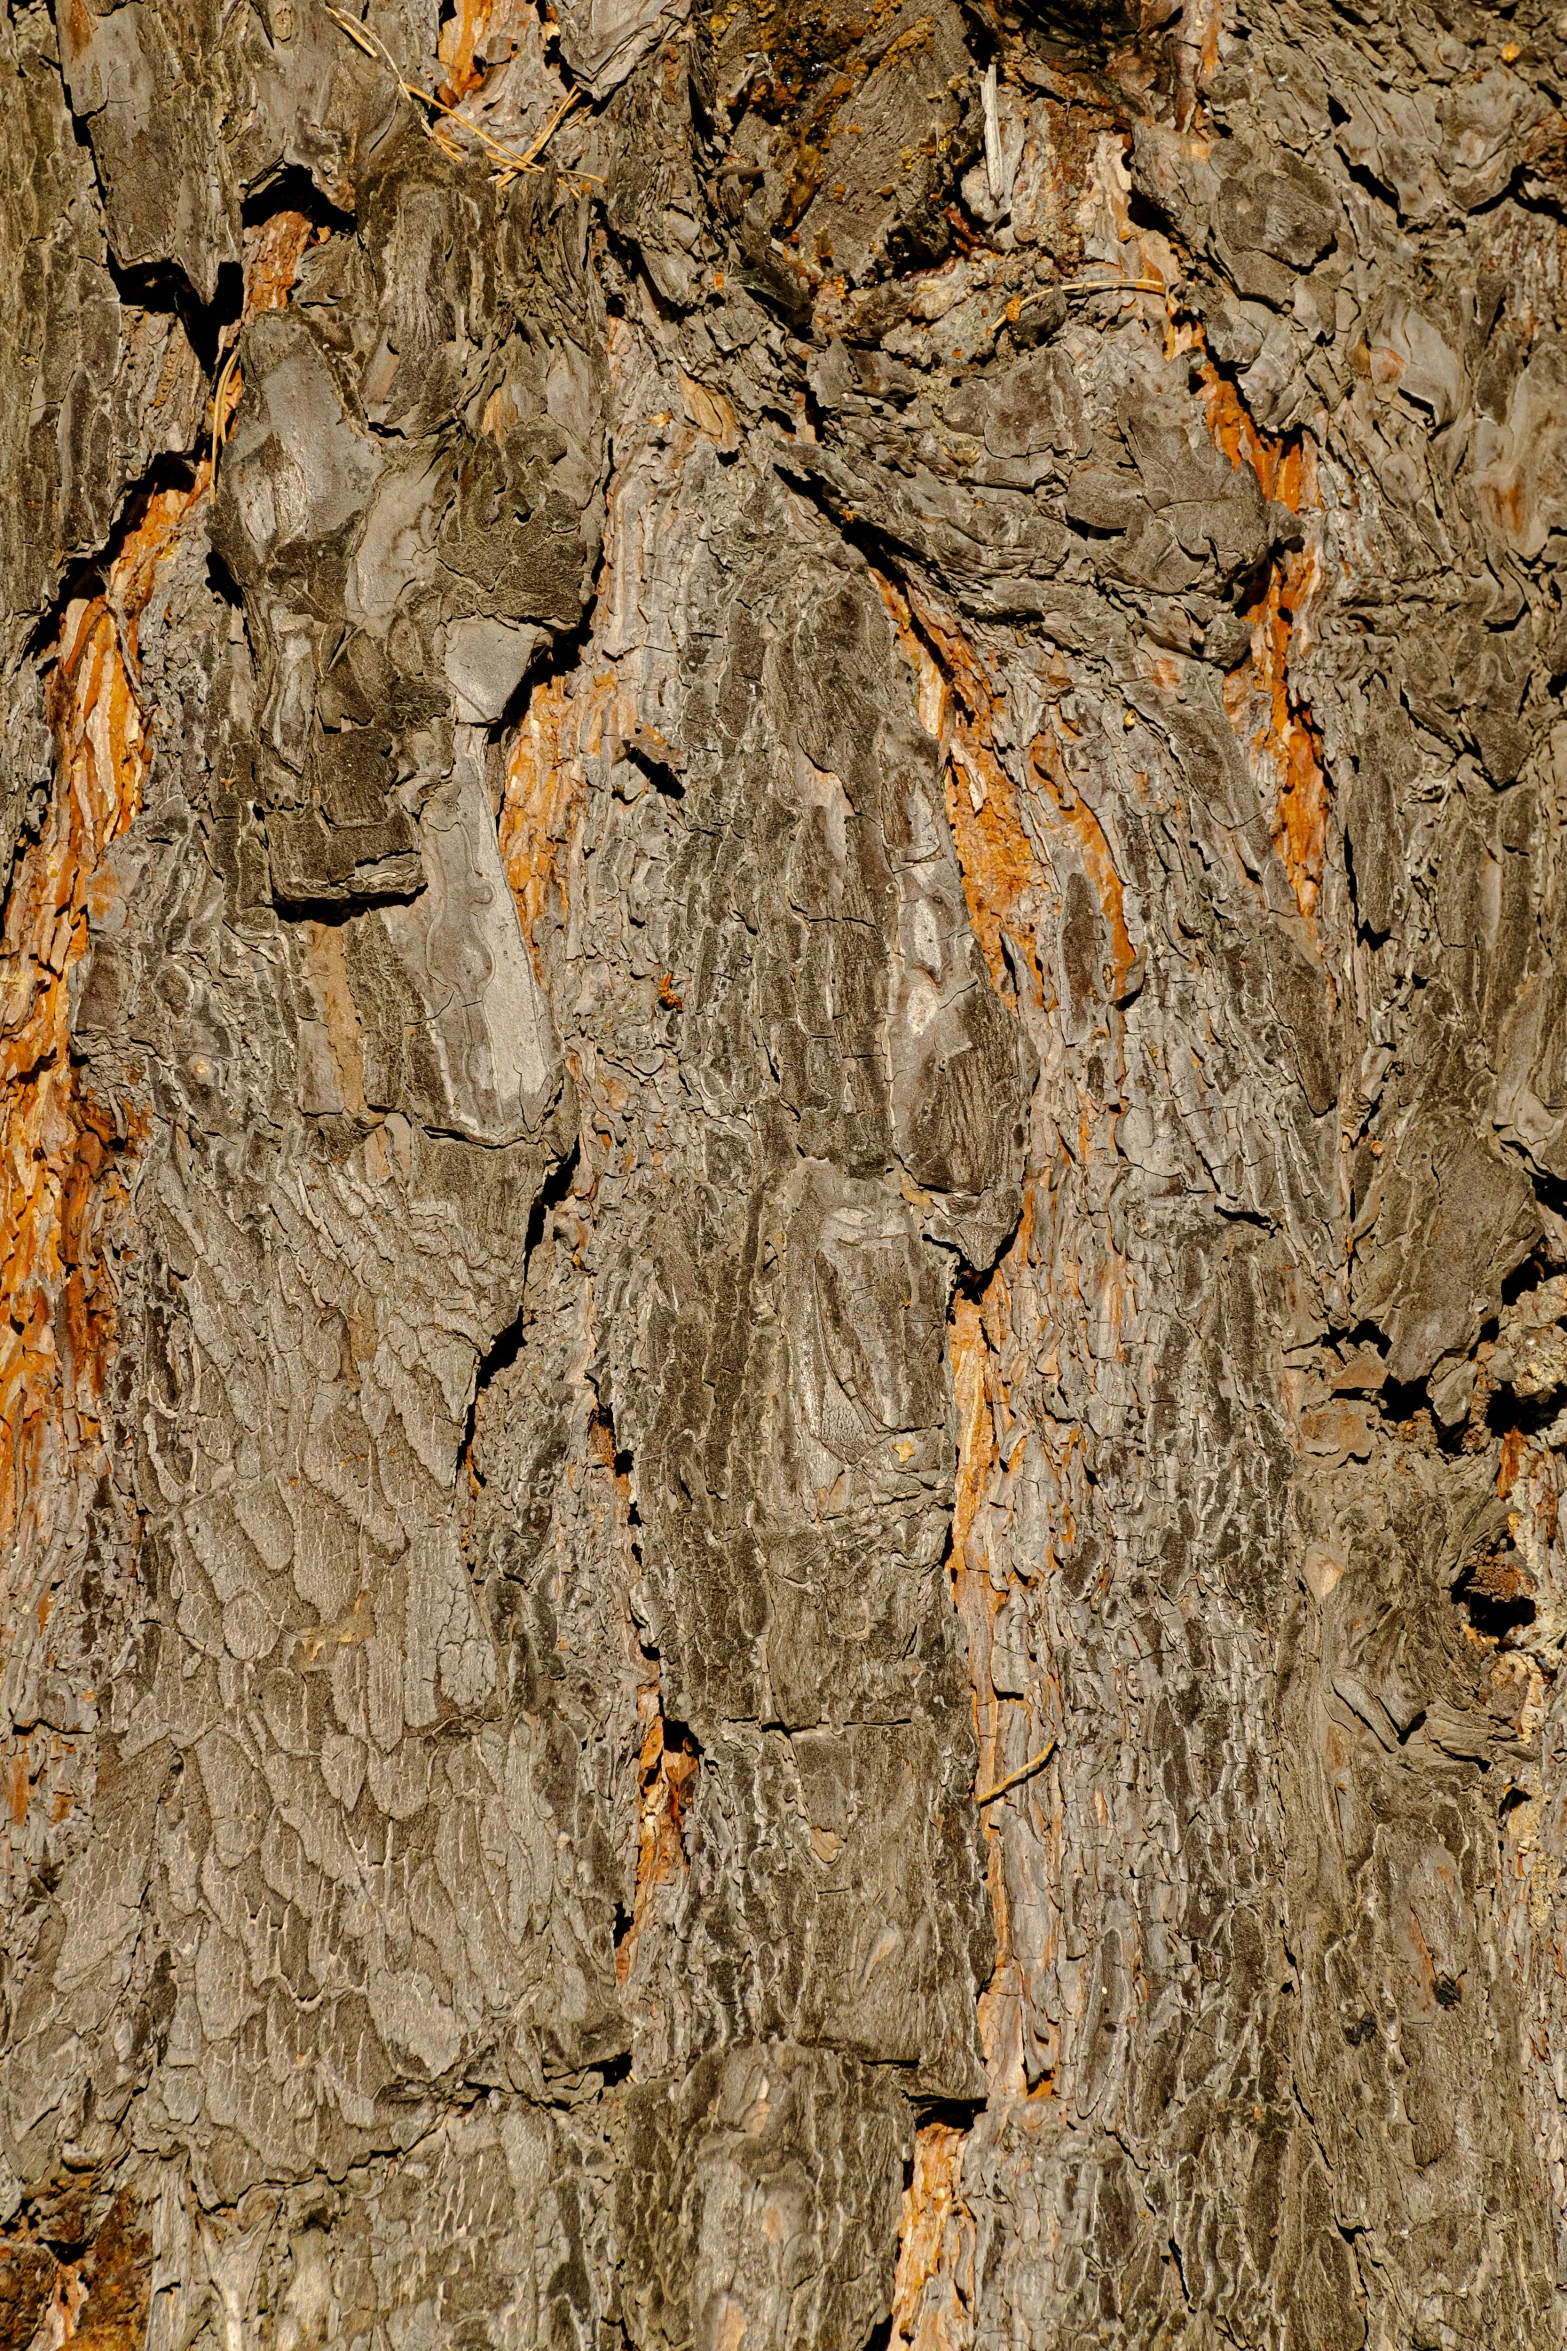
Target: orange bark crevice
pixel 977 1341
pixel 1285 732
pixel 59 1148
pixel 958 704
pixel 668 1756
pixel 1284 467
pixel 977 1602
pixel 546 784
pixel 666 1767
pixel 460 36
pixel 1007 884
pixel 274 249
pixel 933 2286
pixel 1263 706
pixel 976 1430
pixel 1091 847
pixel 1005 881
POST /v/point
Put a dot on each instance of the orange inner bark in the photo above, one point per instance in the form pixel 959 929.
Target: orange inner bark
pixel 59 1178
pixel 1260 698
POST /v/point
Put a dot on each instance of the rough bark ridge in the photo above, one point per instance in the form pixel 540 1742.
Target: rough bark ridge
pixel 783 1043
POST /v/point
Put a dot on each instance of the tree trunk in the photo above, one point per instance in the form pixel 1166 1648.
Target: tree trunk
pixel 784 1151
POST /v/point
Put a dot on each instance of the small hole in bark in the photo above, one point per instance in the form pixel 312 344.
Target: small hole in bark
pixel 1495 1589
pixel 1403 1403
pixel 1366 929
pixel 615 2070
pixel 680 1739
pixel 508 1345
pixel 1519 1283
pixel 293 190
pixel 223 583
pixel 160 286
pixel 958 2114
pixel 1505 1412
pixel 1372 185
pixel 68 2250
pixel 659 773
pixel 1448 1991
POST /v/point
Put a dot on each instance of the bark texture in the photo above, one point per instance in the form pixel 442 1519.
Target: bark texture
pixel 785 1372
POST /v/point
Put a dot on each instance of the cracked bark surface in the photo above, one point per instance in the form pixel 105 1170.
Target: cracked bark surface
pixel 784 1182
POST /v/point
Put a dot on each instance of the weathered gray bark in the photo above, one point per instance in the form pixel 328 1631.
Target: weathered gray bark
pixel 785 1040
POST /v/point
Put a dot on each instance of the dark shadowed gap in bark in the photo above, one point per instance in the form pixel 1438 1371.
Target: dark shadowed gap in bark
pixel 503 1352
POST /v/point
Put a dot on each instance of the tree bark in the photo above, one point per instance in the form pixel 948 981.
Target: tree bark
pixel 783 1177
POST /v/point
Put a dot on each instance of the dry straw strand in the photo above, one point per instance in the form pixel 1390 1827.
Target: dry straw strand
pixel 1025 1771
pixel 507 161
